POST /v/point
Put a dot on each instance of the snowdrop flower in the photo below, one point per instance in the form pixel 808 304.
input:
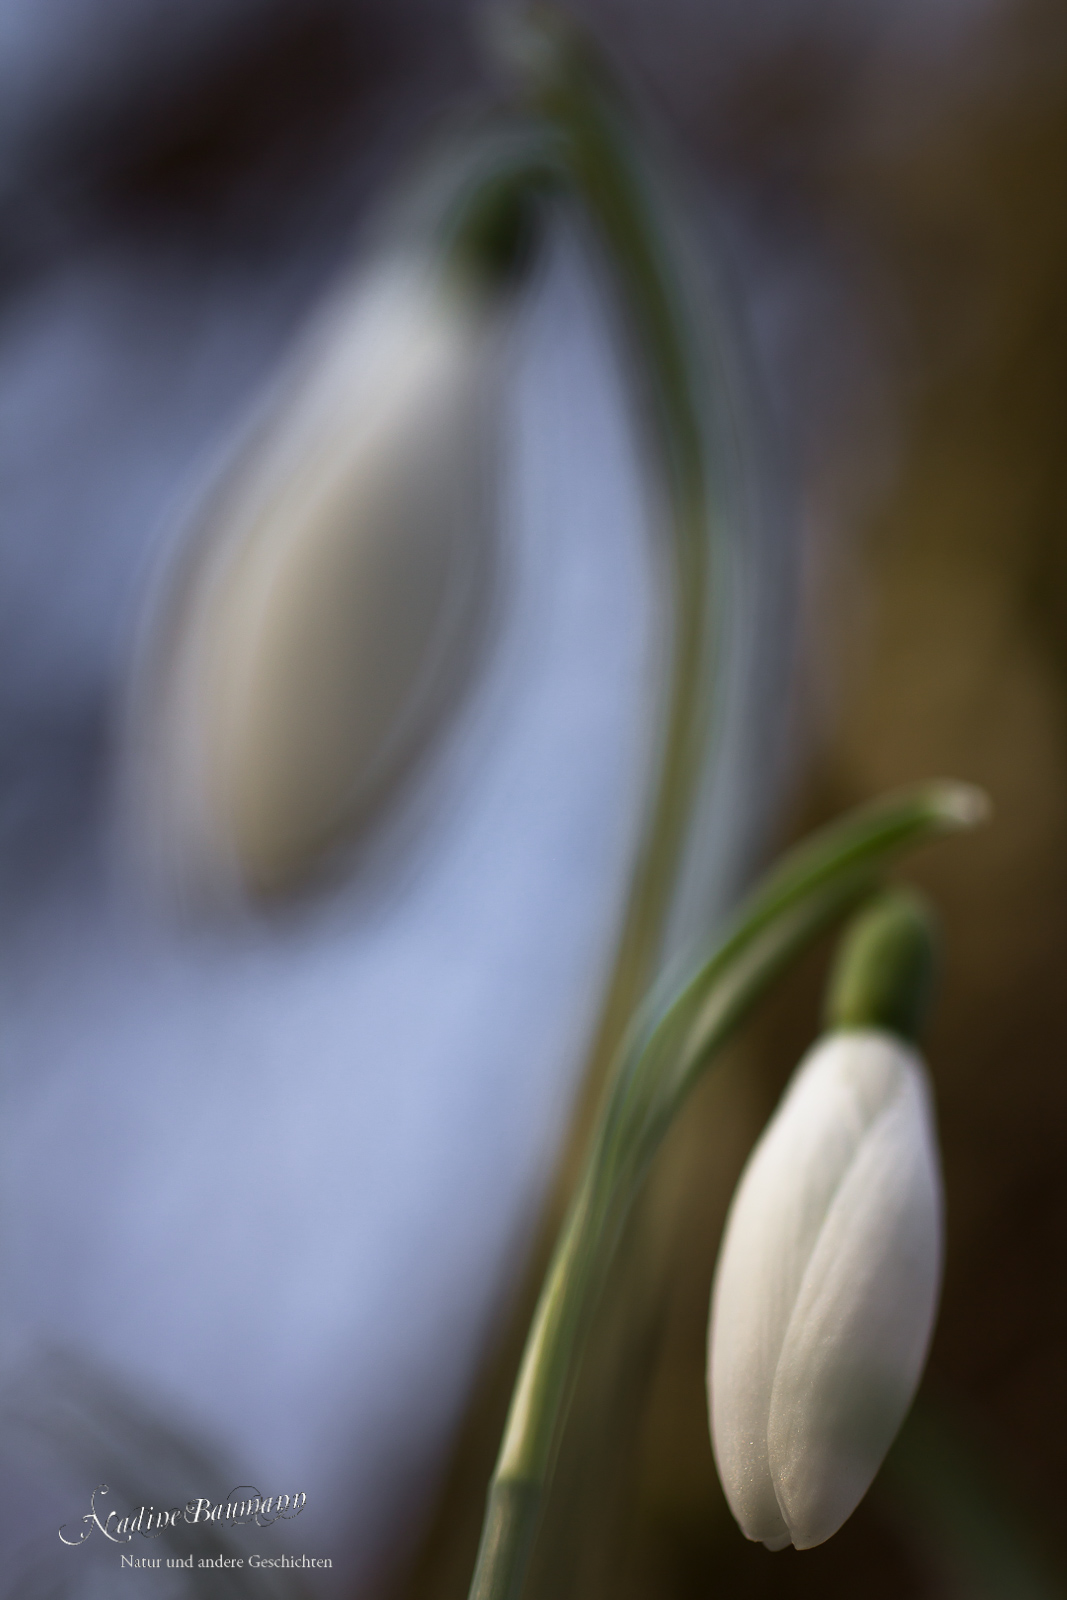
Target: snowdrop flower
pixel 328 605
pixel 826 1287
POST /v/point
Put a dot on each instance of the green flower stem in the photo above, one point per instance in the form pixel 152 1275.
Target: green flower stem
pixel 665 1054
pixel 580 140
pixel 587 148
pixel 596 151
pixel 569 90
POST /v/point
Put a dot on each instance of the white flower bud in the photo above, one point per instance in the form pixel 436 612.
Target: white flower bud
pixel 323 610
pixel 825 1289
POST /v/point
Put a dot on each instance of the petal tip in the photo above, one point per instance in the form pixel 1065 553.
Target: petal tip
pixel 782 1542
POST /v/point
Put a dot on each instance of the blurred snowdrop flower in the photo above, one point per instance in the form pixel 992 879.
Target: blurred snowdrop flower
pixel 326 609
pixel 826 1289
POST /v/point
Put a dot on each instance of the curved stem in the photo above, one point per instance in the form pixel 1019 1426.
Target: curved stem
pixel 605 169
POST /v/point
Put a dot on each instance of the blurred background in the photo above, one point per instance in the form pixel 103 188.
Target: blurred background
pixel 276 1184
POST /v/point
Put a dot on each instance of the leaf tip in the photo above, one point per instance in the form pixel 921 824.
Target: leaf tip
pixel 960 805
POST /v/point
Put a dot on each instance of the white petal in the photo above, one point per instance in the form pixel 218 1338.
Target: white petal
pixel 323 607
pixel 778 1214
pixel 857 1340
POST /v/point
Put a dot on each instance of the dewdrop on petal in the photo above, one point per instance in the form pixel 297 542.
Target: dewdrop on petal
pixel 828 1277
pixel 328 604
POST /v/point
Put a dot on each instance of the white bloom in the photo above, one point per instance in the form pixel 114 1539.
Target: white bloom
pixel 330 597
pixel 826 1289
